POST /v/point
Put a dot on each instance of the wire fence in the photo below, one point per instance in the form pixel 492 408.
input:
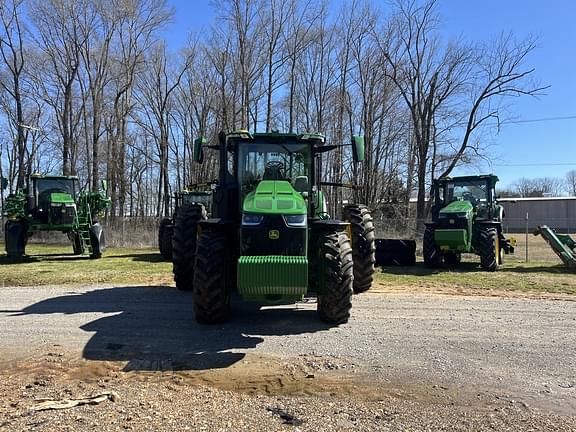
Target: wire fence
pixel 143 232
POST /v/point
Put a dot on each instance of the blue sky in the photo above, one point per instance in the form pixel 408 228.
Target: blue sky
pixel 534 149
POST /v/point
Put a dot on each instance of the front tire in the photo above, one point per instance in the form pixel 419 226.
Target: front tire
pixel 184 244
pixel 211 296
pixel 76 243
pixel 363 245
pixel 489 249
pixel 335 275
pixel 15 239
pixel 430 250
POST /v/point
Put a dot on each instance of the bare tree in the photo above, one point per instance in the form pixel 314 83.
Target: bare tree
pixel 433 78
pixel 12 51
pixel 538 187
pixel 61 38
pixel 156 87
pixel 571 182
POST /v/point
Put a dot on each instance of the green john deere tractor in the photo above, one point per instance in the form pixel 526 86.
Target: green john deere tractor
pixel 55 203
pixel 270 238
pixel 196 199
pixel 466 218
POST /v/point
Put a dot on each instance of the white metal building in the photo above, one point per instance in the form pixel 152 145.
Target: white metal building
pixel 556 212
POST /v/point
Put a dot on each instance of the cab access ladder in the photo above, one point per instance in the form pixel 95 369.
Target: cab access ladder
pixel 84 222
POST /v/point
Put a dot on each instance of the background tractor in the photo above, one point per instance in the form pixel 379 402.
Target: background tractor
pixel 466 218
pixel 270 238
pixel 196 199
pixel 55 203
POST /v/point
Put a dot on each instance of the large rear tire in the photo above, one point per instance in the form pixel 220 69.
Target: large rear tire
pixel 489 249
pixel 184 244
pixel 430 250
pixel 15 239
pixel 211 295
pixel 165 233
pixel 363 245
pixel 97 240
pixel 335 271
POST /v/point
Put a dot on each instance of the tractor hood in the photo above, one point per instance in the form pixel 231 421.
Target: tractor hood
pixel 61 198
pixel 457 207
pixel 274 197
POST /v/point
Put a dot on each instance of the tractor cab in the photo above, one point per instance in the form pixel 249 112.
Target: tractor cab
pixel 470 196
pixel 52 199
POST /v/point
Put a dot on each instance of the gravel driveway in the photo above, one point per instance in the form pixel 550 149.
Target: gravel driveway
pixel 404 361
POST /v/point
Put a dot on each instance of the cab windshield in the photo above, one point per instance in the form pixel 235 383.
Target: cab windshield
pixel 289 162
pixel 48 186
pixel 474 191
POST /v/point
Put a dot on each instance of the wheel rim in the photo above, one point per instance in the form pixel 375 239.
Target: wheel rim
pixel 497 249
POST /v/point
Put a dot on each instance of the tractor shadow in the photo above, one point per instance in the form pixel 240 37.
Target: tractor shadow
pixel 545 268
pixel 144 257
pixel 153 328
pixel 4 259
pixel 420 269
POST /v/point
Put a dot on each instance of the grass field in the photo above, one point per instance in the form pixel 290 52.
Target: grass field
pixel 55 264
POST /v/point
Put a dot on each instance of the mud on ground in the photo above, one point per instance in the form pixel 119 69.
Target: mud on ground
pixel 257 393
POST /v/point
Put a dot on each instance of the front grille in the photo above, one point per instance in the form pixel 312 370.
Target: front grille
pixel 62 215
pixel 459 222
pixel 261 239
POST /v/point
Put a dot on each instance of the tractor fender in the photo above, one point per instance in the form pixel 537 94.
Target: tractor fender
pixel 215 222
pixel 490 224
pixel 330 224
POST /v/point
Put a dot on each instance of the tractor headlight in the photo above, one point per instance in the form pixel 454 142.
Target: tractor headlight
pixel 251 219
pixel 295 220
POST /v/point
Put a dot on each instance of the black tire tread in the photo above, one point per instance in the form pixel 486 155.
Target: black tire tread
pixel 18 250
pixel 165 233
pixel 430 250
pixel 211 298
pixel 98 244
pixel 184 244
pixel 363 245
pixel 336 273
pixel 487 249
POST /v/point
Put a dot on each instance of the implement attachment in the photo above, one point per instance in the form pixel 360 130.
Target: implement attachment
pixel 562 245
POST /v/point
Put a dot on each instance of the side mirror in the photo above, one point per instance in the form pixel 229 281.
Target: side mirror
pixel 104 185
pixel 198 152
pixel 358 148
pixel 3 183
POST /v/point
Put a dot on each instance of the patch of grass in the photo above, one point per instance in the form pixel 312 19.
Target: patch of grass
pixel 535 276
pixel 55 265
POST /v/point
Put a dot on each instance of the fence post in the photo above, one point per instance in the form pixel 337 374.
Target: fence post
pixel 526 236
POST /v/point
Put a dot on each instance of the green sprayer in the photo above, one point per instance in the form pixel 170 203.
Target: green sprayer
pixel 55 203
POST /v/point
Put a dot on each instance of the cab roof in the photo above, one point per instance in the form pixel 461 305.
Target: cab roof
pixel 275 136
pixel 53 177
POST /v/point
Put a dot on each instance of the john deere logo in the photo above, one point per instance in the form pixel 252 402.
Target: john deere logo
pixel 273 235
